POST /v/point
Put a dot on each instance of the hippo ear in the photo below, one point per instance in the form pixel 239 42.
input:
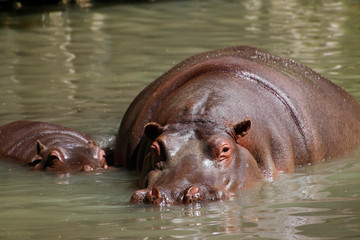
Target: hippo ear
pixel 242 128
pixel 153 130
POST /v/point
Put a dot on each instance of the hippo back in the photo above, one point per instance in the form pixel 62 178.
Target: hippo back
pixel 316 105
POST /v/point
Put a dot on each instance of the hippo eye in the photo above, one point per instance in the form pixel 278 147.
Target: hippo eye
pixel 225 149
pixel 155 147
pixel 221 151
pixel 224 156
pixel 158 159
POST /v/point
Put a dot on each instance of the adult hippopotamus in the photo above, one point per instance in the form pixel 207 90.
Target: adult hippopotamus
pixel 220 120
pixel 49 147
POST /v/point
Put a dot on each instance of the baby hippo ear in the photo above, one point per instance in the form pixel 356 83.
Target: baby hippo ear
pixel 153 130
pixel 39 147
pixel 242 128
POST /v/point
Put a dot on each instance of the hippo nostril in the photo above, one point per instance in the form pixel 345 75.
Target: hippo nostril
pixel 138 196
pixel 155 192
pixel 192 190
pixel 191 194
pixel 154 196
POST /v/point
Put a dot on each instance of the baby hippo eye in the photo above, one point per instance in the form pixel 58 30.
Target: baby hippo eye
pixel 102 154
pixel 54 160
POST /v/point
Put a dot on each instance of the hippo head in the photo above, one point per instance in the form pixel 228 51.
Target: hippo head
pixel 69 158
pixel 194 161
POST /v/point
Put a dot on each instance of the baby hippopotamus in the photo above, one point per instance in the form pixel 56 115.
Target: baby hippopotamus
pixel 49 147
pixel 221 120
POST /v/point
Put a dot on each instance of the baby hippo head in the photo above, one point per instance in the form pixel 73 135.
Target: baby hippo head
pixel 68 157
pixel 194 161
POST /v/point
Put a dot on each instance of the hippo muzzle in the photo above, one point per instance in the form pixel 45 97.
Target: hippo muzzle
pixel 189 181
pixel 189 165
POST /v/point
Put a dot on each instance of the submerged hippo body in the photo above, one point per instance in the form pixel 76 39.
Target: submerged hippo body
pixel 220 120
pixel 49 147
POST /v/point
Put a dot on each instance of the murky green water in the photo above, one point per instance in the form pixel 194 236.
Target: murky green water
pixel 82 67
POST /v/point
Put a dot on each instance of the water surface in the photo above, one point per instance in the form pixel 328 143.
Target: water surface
pixel 81 67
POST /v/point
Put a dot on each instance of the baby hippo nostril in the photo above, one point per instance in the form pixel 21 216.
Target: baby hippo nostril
pixel 191 194
pixel 104 164
pixel 87 168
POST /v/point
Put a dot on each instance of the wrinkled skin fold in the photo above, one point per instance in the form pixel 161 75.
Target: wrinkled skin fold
pixel 49 147
pixel 220 121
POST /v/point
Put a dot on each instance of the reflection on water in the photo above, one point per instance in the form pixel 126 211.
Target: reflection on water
pixel 314 202
pixel 82 67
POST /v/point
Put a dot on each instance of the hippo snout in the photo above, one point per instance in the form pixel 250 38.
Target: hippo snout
pixel 152 195
pixel 192 194
pixel 158 196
